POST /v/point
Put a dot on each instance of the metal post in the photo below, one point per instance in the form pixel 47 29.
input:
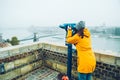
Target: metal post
pixel 69 56
pixel 69 62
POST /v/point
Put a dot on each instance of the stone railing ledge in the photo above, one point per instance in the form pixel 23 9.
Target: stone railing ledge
pixel 110 53
pixel 19 49
pixel 55 47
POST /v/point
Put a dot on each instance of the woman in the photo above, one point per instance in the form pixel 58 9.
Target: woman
pixel 86 61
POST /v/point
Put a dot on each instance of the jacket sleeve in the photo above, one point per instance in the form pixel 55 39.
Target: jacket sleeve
pixel 71 39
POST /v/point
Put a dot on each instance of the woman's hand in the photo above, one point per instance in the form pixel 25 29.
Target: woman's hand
pixel 69 28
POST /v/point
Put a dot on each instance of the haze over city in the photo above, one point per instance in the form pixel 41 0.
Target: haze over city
pixel 24 13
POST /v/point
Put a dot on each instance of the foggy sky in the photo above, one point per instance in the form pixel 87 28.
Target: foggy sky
pixel 24 13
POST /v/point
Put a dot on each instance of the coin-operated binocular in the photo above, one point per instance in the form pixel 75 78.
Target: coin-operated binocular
pixel 65 27
pixel 69 56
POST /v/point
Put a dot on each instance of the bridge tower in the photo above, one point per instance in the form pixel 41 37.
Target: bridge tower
pixel 35 37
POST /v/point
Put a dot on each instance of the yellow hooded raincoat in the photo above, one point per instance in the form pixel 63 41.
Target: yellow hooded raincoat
pixel 86 61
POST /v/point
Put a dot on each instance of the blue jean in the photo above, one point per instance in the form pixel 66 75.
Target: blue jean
pixel 83 76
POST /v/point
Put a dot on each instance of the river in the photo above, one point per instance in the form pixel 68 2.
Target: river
pixel 100 43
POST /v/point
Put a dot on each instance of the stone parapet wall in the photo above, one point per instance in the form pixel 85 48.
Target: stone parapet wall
pixel 58 62
pixel 108 58
pixel 107 68
pixel 22 59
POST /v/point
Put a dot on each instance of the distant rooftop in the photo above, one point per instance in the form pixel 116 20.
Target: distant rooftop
pixel 2 45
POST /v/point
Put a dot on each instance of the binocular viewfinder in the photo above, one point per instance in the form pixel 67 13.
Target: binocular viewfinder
pixel 72 25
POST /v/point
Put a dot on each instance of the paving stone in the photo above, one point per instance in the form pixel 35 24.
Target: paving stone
pixel 42 74
pixel 9 66
pixel 4 54
pixel 14 52
pixel 26 69
pixel 107 59
pixel 118 61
